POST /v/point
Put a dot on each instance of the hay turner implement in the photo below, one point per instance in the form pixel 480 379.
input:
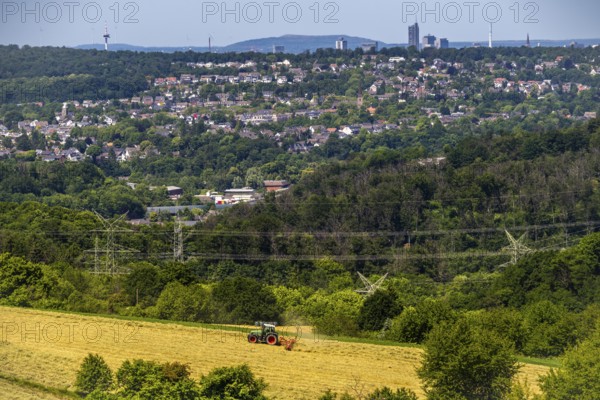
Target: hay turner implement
pixel 288 343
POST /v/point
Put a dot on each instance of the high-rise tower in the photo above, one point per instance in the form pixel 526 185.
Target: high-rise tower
pixel 106 37
pixel 341 44
pixel 413 35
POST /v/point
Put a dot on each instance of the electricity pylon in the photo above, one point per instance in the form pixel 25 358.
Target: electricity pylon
pixel 370 288
pixel 516 248
pixel 107 264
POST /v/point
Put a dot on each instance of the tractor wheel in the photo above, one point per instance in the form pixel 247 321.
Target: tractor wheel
pixel 271 339
pixel 252 339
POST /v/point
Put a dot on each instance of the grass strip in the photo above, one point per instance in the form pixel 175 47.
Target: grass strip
pixel 24 383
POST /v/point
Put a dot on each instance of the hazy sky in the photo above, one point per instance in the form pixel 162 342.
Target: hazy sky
pixel 190 23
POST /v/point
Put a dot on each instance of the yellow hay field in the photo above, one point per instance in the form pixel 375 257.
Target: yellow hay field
pixel 48 347
pixel 11 391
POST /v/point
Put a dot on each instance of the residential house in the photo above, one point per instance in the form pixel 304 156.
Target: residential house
pixel 276 185
pixel 174 192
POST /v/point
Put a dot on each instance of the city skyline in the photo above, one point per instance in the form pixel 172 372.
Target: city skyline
pixel 191 24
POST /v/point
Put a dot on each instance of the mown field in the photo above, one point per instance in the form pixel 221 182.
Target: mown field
pixel 47 348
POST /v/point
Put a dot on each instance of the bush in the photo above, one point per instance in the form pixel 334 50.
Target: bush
pixel 232 383
pixel 149 380
pixel 134 375
pixel 384 393
pixel 387 394
pixel 94 374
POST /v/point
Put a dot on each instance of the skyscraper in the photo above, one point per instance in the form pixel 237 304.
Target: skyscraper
pixel 413 35
pixel 370 47
pixel 442 43
pixel 428 41
pixel 341 44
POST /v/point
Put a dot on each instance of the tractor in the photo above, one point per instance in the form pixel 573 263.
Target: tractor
pixel 266 334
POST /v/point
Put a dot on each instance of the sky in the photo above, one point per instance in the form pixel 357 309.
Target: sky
pixel 190 23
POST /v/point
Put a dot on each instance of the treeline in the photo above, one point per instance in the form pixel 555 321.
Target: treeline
pixel 29 62
pixel 73 87
pixel 544 304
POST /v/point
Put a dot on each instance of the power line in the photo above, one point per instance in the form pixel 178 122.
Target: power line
pixel 110 249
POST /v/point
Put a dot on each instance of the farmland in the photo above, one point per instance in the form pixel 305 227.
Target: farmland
pixel 47 348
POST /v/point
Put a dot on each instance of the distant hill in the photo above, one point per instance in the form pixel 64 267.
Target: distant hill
pixel 292 43
pixel 299 43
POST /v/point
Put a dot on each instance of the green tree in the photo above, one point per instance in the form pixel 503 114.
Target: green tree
pixel 244 300
pixel 94 374
pixel 463 362
pixel 18 279
pixel 94 151
pixel 414 323
pixel 330 274
pixel 144 284
pixel 182 303
pixel 335 313
pixel 376 309
pixel 579 376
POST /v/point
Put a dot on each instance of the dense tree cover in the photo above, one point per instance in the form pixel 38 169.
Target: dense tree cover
pixel 376 203
pixel 47 61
